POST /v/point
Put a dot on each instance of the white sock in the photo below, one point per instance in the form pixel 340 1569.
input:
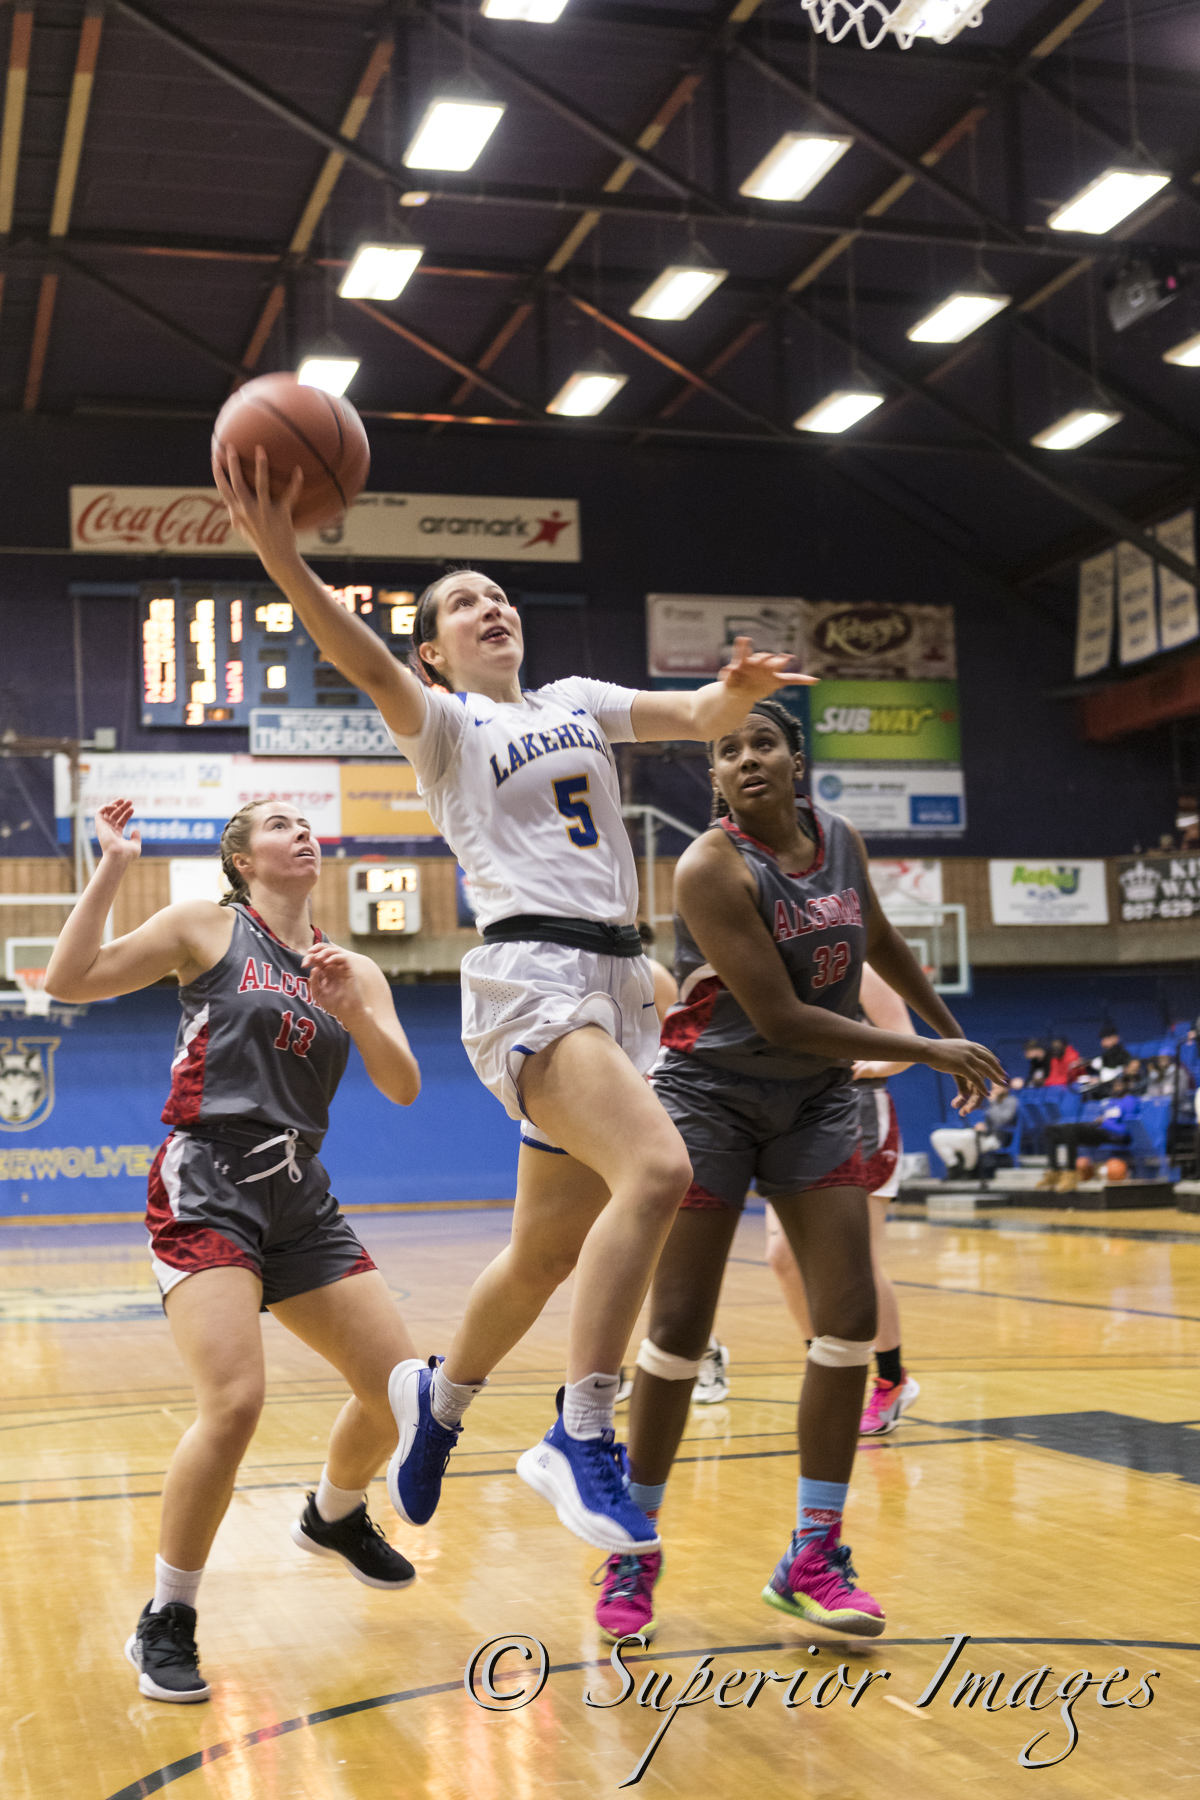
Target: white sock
pixel 334 1503
pixel 449 1400
pixel 174 1584
pixel 588 1405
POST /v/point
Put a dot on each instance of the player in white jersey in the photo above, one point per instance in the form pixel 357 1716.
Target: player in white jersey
pixel 558 1002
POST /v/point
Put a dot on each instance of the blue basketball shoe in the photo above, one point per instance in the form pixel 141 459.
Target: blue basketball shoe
pixel 586 1482
pixel 414 1476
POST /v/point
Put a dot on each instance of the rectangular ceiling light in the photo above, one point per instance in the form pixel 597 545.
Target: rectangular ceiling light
pixel 937 19
pixel 839 410
pixel 533 12
pixel 379 271
pixel 793 168
pixel 1186 355
pixel 1104 202
pixel 957 317
pixel 1075 428
pixel 452 134
pixel 586 393
pixel 677 292
pixel 333 373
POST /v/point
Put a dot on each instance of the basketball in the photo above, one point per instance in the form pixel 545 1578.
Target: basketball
pixel 298 425
pixel 1115 1169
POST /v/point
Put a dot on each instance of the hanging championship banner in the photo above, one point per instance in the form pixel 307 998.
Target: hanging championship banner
pixel 1094 627
pixel 1136 614
pixel 1178 619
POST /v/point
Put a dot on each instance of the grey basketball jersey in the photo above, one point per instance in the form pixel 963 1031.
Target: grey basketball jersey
pixel 818 922
pixel 253 1044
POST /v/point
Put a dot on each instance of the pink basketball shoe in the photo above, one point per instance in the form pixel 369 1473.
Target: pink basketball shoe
pixel 814 1581
pixel 626 1602
pixel 889 1401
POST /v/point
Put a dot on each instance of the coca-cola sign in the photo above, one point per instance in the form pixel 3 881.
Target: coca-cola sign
pixel 121 521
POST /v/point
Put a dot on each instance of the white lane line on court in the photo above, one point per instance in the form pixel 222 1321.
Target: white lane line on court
pixel 905 1706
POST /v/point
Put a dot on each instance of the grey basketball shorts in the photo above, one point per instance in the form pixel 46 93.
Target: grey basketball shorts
pixel 787 1137
pixel 202 1213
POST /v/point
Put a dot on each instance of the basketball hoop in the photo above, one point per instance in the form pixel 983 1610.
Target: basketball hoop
pixel 940 20
pixel 32 983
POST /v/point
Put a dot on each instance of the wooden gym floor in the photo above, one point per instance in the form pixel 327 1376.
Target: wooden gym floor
pixel 1041 1496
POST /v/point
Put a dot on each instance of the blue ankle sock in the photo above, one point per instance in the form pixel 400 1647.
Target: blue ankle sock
pixel 819 1507
pixel 645 1497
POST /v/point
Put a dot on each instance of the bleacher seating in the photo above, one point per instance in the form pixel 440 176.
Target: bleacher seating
pixel 1147 1151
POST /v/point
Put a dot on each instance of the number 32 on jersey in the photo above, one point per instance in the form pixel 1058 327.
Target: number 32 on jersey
pixel 830 963
pixel 569 796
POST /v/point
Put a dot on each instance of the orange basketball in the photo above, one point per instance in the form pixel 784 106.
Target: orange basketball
pixel 1115 1169
pixel 298 425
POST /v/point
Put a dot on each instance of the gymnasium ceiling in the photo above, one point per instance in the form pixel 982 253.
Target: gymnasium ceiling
pixel 167 234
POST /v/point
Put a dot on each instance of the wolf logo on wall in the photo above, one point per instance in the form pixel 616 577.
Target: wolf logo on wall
pixel 26 1081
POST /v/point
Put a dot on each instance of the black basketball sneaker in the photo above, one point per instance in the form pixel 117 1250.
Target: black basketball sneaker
pixel 163 1651
pixel 358 1541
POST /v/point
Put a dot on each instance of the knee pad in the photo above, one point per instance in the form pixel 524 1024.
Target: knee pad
pixel 664 1365
pixel 839 1353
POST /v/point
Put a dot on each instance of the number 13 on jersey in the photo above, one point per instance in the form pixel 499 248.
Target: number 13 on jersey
pixel 569 795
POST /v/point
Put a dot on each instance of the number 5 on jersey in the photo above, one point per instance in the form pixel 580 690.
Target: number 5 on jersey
pixel 571 804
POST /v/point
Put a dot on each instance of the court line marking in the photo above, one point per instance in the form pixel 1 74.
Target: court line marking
pixel 187 1765
pixel 936 1287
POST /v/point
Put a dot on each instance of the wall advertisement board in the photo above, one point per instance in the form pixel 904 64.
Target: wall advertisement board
pixel 692 635
pixel 890 800
pixel 885 721
pixel 1166 887
pixel 186 798
pixel 1048 893
pixel 124 521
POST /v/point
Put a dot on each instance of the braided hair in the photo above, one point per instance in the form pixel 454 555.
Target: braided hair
pixel 235 841
pixel 790 729
pixel 425 629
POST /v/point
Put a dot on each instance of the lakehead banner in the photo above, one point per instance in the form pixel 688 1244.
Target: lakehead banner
pixel 185 798
pixel 121 521
pixel 1178 620
pixel 1159 887
pixel 1048 893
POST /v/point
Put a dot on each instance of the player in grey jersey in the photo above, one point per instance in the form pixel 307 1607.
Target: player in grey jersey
pixel 775 915
pixel 240 1214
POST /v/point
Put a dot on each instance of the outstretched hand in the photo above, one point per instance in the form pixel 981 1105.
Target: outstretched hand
pixel 756 673
pixel 265 522
pixel 976 1072
pixel 111 821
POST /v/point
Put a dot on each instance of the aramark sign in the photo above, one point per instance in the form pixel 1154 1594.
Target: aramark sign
pixel 120 521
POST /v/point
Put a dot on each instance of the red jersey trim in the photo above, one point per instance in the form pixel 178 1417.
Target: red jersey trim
pixel 736 831
pixel 683 1025
pixel 187 1074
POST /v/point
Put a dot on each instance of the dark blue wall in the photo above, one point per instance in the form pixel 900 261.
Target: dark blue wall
pixel 682 519
pixel 111 1074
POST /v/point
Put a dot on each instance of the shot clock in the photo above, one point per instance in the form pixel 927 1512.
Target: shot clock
pixel 385 899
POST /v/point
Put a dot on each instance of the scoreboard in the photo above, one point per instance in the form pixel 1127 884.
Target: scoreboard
pixel 212 651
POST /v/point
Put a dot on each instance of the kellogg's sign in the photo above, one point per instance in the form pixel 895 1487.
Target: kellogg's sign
pixel 872 642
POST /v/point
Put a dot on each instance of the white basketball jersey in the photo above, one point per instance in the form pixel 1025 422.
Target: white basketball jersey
pixel 527 797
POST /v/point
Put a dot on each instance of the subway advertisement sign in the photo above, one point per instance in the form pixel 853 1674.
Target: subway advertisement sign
pixel 886 721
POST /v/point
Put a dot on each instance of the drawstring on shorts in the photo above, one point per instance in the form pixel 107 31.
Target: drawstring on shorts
pixel 287 1161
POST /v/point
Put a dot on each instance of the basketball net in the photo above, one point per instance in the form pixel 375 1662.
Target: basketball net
pixel 940 20
pixel 32 983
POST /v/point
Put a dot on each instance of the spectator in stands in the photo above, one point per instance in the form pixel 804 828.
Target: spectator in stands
pixel 1111 1129
pixel 1064 1063
pixel 1189 1055
pixel 1104 1069
pixel 1169 1080
pixel 1036 1062
pixel 1134 1076
pixel 962 1147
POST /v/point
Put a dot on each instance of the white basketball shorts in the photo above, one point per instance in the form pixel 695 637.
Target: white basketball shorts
pixel 519 997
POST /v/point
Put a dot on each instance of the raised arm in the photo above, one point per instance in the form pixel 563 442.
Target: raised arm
pixel 714 896
pixel 340 636
pixel 182 938
pixel 709 712
pixel 355 990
